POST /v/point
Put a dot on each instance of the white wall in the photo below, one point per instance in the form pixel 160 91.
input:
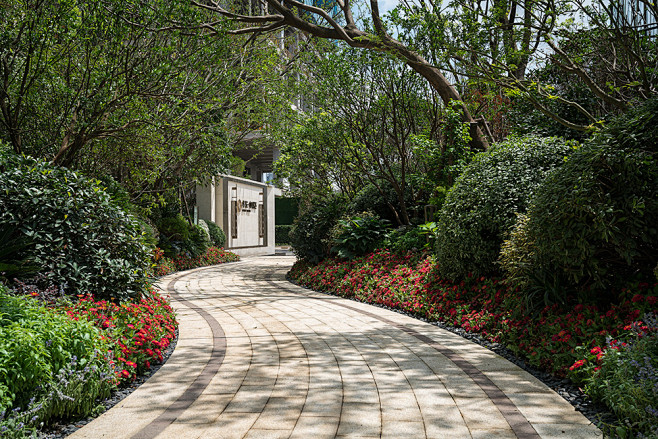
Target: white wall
pixel 216 202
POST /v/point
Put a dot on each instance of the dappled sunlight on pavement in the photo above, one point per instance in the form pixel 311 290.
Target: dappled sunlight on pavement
pixel 258 357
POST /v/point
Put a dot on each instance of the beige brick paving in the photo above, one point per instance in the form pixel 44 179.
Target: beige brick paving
pixel 303 365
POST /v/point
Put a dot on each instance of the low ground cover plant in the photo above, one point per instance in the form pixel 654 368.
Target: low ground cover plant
pixel 60 360
pixel 623 373
pixel 553 338
pixel 51 366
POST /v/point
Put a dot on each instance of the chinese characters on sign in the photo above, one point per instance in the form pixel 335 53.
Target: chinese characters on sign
pixel 247 206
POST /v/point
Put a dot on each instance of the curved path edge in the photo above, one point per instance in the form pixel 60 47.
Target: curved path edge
pixel 170 402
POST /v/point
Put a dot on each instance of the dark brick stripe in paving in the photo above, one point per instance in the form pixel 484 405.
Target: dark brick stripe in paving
pixel 517 422
pixel 159 424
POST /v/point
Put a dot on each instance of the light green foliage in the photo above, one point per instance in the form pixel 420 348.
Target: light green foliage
pixel 46 355
pixel 496 48
pixel 204 226
pixel 481 208
pixel 516 253
pixel 92 85
pixel 592 225
pixel 358 235
pixel 310 235
pixel 217 235
pixel 77 236
pixel 316 144
pixel 379 131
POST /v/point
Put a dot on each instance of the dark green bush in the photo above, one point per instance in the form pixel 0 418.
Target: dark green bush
pixel 121 198
pixel 310 233
pixel 481 208
pixel 44 353
pixel 12 263
pixel 369 199
pixel 282 233
pixel 358 235
pixel 77 235
pixel 179 237
pixel 217 235
pixel 411 238
pixel 593 226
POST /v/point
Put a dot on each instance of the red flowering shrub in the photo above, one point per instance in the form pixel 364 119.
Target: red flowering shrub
pixel 139 332
pixel 212 256
pixel 547 339
pixel 163 267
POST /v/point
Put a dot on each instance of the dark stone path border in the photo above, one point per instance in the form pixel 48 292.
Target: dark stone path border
pixel 193 392
pixel 517 422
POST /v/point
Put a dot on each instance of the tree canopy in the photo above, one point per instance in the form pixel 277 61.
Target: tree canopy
pixel 142 92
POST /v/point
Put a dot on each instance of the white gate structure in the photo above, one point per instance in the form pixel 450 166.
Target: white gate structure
pixel 244 209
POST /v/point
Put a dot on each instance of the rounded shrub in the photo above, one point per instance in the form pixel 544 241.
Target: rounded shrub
pixel 310 234
pixel 369 199
pixel 217 235
pixel 179 237
pixel 481 208
pixel 77 235
pixel 592 224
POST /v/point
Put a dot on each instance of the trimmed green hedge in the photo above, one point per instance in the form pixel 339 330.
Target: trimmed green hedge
pixel 482 206
pixel 282 233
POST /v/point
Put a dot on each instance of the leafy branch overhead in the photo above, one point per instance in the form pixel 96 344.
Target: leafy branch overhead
pixel 141 92
pixel 466 44
pixel 342 25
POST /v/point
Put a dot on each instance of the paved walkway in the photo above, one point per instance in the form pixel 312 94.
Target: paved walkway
pixel 258 357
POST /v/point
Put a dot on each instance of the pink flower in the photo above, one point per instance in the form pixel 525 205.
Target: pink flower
pixel 577 364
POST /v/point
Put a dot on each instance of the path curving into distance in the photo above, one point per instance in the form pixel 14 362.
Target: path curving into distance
pixel 259 357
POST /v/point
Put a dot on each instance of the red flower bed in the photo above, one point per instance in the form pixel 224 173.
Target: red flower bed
pixel 547 338
pixel 139 332
pixel 212 256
